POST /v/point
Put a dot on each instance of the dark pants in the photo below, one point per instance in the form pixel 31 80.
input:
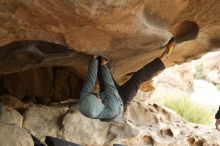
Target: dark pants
pixel 129 89
pixel 217 115
pixel 52 141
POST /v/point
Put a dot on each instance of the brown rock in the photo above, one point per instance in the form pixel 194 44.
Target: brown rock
pixel 45 83
pixel 32 83
pixel 14 85
pixel 128 32
pixel 67 84
pixel 62 90
pixel 14 102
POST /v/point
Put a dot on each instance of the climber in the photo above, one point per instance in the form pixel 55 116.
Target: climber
pixel 114 98
pixel 109 106
pixel 217 117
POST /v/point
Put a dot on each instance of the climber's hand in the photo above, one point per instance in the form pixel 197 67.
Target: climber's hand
pixel 217 124
pixel 104 60
pixel 169 49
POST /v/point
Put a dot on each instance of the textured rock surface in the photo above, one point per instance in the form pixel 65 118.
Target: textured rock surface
pixel 143 124
pixel 32 83
pixel 66 84
pixel 13 135
pixel 42 121
pixel 152 124
pixel 129 32
pixel 13 102
pixel 10 116
pixel 80 129
pixel 44 84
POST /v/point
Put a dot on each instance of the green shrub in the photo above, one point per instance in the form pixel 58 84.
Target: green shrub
pixel 190 111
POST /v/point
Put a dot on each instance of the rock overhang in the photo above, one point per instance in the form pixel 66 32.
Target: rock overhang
pixel 128 32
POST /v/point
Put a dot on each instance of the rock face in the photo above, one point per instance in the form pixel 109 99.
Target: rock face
pixel 13 135
pixel 82 130
pixel 46 47
pixel 10 116
pixel 43 121
pixel 142 124
pixel 122 30
pixel 44 84
pixel 129 32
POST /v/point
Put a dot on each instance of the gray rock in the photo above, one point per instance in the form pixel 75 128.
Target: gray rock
pixel 13 135
pixel 44 120
pixel 10 116
pixel 144 124
pixel 79 129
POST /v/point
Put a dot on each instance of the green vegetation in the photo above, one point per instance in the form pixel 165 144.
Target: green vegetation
pixel 199 74
pixel 218 86
pixel 190 111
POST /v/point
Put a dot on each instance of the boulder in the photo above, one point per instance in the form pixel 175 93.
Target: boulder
pixel 43 42
pixel 80 129
pixel 43 120
pixel 13 135
pixel 66 33
pixel 128 32
pixel 10 116
pixel 142 124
